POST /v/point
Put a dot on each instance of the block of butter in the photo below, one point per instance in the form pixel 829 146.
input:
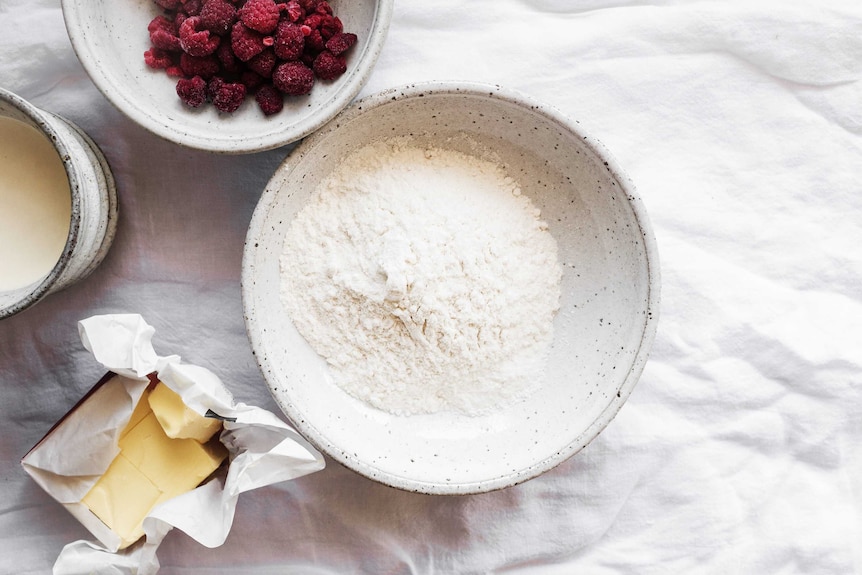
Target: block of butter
pixel 166 449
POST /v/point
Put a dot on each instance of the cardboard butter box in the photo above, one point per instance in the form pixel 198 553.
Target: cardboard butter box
pixel 156 444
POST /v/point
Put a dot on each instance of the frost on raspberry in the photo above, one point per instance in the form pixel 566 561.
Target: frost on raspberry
pixel 263 63
pixel 293 78
pixel 328 66
pixel 270 100
pixel 195 40
pixel 289 41
pixel 192 91
pixel 163 34
pixel 158 59
pixel 260 15
pixel 204 66
pixel 341 42
pixel 247 43
pixel 218 16
pixel 229 97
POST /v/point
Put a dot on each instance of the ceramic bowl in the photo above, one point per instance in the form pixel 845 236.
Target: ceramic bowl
pixel 602 333
pixel 110 39
pixel 93 204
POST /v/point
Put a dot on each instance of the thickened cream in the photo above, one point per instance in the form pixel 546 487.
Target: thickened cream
pixel 35 205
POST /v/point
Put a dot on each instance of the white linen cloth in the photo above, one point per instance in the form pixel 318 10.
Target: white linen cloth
pixel 740 451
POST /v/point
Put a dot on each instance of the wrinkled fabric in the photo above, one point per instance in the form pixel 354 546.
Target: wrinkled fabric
pixel 740 450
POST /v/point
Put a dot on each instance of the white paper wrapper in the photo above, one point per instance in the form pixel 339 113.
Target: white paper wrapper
pixel 71 458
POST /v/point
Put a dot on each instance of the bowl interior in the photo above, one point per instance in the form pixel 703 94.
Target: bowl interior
pixel 602 331
pixel 110 39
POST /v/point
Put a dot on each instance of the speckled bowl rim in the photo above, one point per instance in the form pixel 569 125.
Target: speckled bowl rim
pixel 419 90
pixel 43 122
pixel 174 132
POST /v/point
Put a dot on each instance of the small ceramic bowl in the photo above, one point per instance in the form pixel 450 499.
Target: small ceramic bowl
pixel 602 333
pixel 93 197
pixel 110 39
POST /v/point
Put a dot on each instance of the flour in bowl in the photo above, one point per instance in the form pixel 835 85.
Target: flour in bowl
pixel 425 279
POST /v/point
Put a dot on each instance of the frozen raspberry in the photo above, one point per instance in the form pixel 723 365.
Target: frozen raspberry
pixel 195 40
pixel 251 80
pixel 163 34
pixel 293 78
pixel 315 41
pixel 192 7
pixel 205 66
pixel 330 26
pixel 246 43
pixel 260 15
pixel 323 7
pixel 309 5
pixel 270 100
pixel 341 42
pixel 289 41
pixel 213 86
pixel 174 72
pixel 294 11
pixel 218 16
pixel 192 91
pixel 328 66
pixel 179 18
pixel 229 62
pixel 229 97
pixel 169 4
pixel 263 63
pixel 159 59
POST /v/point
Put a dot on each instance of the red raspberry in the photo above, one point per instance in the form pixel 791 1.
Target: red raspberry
pixel 205 66
pixel 251 80
pixel 315 41
pixel 169 4
pixel 229 97
pixel 341 42
pixel 263 63
pixel 293 78
pixel 229 62
pixel 289 41
pixel 218 16
pixel 174 72
pixel 330 26
pixel 294 11
pixel 260 15
pixel 246 43
pixel 323 7
pixel 195 40
pixel 213 86
pixel 192 7
pixel 163 34
pixel 309 5
pixel 328 66
pixel 159 59
pixel 192 91
pixel 270 100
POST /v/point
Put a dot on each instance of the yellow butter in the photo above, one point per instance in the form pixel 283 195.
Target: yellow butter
pixel 121 498
pixel 141 410
pixel 150 469
pixel 173 465
pixel 177 419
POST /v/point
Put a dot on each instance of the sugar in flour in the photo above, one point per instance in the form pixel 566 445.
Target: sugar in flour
pixel 425 279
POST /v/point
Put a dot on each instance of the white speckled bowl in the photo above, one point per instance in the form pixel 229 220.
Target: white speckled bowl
pixel 94 204
pixel 110 38
pixel 603 331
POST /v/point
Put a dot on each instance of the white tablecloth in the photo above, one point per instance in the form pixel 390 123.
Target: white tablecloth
pixel 740 451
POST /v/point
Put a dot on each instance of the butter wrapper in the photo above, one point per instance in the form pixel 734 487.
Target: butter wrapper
pixel 78 450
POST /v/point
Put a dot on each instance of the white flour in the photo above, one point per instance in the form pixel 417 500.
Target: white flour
pixel 425 279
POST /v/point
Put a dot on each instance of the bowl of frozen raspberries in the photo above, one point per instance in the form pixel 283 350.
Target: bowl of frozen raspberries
pixel 229 76
pixel 450 288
